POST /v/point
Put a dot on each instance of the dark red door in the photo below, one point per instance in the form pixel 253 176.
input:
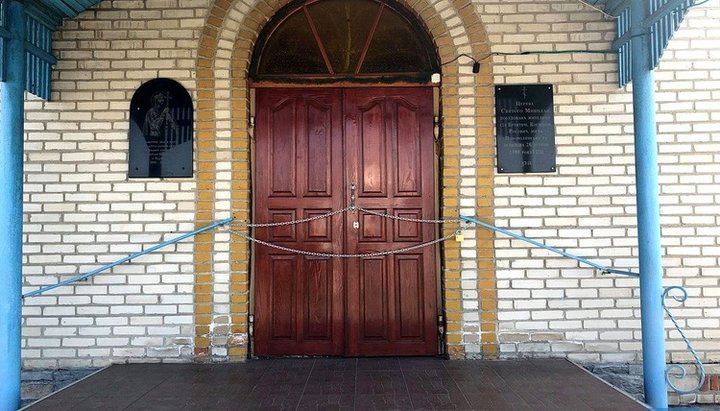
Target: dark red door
pixel 392 300
pixel 311 145
pixel 298 174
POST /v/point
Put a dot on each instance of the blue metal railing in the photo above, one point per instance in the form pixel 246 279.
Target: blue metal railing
pixel 672 371
pixel 603 269
pixel 126 259
pixel 676 371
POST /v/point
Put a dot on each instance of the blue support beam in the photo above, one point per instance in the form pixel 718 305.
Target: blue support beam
pixel 12 117
pixel 648 210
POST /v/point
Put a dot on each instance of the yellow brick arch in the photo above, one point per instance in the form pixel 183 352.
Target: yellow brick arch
pixel 224 52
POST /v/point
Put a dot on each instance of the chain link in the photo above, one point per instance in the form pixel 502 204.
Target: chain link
pixel 340 255
pixel 292 222
pixel 343 255
pixel 341 211
pixel 411 220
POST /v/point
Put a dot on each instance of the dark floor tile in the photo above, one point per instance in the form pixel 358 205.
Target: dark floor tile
pixel 380 382
pixel 158 404
pixel 536 400
pixel 327 402
pixel 335 364
pixel 562 401
pixel 481 385
pixel 365 384
pixel 138 373
pixel 189 389
pixel 110 403
pixel 500 401
pixel 217 404
pixel 330 382
pixel 261 401
pixel 439 402
pixel 55 404
pixel 286 377
pixel 427 374
pixel 285 363
pixel 378 364
pixel 464 364
pixel 383 402
pixel 470 370
pixel 431 386
pixel 278 389
pixel 412 363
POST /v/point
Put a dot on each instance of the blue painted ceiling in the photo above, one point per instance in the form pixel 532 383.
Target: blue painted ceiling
pixel 56 10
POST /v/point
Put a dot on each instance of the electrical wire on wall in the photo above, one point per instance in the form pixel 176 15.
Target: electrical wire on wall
pixel 476 62
pixel 594 5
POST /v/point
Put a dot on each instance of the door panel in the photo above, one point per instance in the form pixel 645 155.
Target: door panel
pixel 371 141
pixel 282 283
pixel 407 166
pixel 311 146
pixel 318 307
pixel 372 307
pixel 299 299
pixel 398 128
pixel 282 150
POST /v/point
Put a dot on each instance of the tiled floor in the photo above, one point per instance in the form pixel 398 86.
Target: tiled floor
pixel 343 384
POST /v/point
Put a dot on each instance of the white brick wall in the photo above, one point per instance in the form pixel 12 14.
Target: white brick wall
pixel 82 211
pixel 588 207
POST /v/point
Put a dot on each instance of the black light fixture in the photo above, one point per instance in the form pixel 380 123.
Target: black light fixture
pixel 475 66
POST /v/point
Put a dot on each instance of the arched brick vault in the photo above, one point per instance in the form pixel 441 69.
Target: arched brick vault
pixel 225 48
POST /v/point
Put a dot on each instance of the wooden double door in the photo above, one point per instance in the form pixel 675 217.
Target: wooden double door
pixel 312 146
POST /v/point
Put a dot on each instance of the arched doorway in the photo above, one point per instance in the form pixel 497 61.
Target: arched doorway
pixel 343 117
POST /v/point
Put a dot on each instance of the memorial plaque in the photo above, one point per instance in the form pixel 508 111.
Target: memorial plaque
pixel 161 130
pixel 525 128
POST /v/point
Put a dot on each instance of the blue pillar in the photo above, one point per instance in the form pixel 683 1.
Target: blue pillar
pixel 11 178
pixel 648 210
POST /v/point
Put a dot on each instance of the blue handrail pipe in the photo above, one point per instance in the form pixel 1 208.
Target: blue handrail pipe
pixel 128 258
pixel 603 269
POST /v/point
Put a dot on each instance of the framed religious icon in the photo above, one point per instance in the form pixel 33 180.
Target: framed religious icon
pixel 161 130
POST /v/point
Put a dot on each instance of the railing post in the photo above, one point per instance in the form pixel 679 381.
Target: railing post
pixel 648 210
pixel 12 118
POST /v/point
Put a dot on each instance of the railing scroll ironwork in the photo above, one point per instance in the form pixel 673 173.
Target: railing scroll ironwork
pixel 678 371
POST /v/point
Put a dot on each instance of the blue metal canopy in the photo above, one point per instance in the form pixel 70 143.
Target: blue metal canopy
pixel 60 9
pixel 41 19
pixel 665 17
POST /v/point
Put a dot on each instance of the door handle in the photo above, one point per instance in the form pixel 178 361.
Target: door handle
pixel 352 196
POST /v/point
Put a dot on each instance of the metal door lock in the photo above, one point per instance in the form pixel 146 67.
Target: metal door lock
pixel 356 224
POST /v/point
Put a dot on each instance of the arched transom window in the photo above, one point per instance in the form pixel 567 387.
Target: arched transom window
pixel 344 40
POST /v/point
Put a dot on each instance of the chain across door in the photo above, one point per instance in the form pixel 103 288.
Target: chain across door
pixel 312 145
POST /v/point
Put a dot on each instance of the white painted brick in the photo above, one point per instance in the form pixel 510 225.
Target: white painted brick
pixel 78 196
